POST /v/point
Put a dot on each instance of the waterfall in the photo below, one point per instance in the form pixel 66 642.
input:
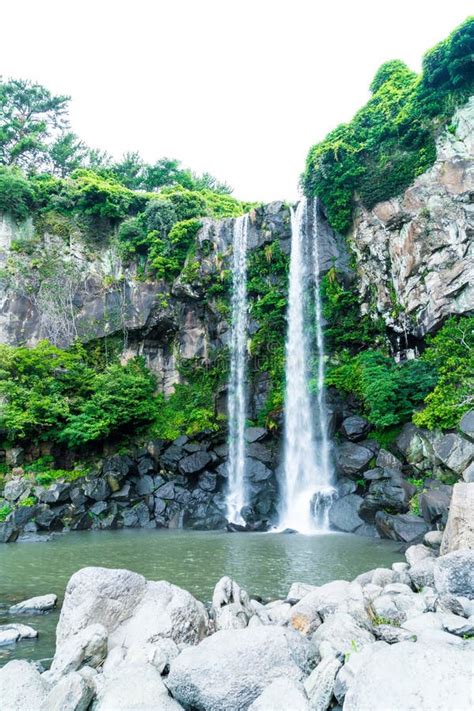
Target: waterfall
pixel 236 494
pixel 306 491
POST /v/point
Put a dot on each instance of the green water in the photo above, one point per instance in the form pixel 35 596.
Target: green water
pixel 265 564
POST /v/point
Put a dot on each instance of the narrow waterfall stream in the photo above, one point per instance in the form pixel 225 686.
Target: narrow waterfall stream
pixel 306 490
pixel 236 495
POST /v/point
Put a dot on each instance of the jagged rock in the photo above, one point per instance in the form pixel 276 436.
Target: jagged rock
pixel 467 424
pixel 97 489
pixel 9 532
pixel 171 456
pixel 257 471
pixel 99 508
pixel 55 494
pixel 454 452
pixel 387 460
pixel 145 485
pixel 281 694
pixel 373 474
pixel 231 607
pixel 392 493
pixel 410 676
pixel 459 532
pixel 34 605
pixel 260 451
pixel 16 489
pixel 454 574
pixel 86 648
pixel 194 463
pixel 319 686
pixel 346 486
pixel 352 458
pixel 208 481
pixel 165 492
pixel 392 634
pixel 434 504
pixel 71 693
pixel 400 527
pixel 230 669
pixel 355 428
pixel 21 687
pixel 82 522
pixel 254 434
pixel 343 514
pixel 342 632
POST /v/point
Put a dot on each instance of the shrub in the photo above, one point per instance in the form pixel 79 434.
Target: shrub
pixel 101 197
pixel 167 256
pixel 16 193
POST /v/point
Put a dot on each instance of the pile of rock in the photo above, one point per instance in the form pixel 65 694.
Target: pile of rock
pixel 392 638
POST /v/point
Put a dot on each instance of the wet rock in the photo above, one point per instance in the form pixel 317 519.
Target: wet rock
pixel 400 527
pixel 35 605
pixel 8 636
pixel 352 458
pixel 97 489
pixel 346 486
pixel 344 513
pixel 392 493
pixel 208 481
pixel 257 471
pixel 98 508
pixel 9 532
pixel 22 631
pixel 454 574
pixel 373 474
pixel 122 494
pixel 388 460
pixel 194 463
pixel 82 522
pixel 230 669
pixel 260 451
pixel 459 532
pixel 367 530
pixel 355 428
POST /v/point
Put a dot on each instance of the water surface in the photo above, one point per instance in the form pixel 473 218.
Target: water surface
pixel 265 564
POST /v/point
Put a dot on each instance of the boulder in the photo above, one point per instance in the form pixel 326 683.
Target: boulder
pixel 346 486
pixel 9 532
pixel 15 456
pixel 468 474
pixel 307 614
pixel 282 694
pixel 467 425
pixel 97 489
pixel 396 609
pixel 343 633
pixel 260 451
pixel 392 493
pixel 458 625
pixel 418 552
pixel 352 458
pixel 86 648
pixel 255 434
pixel 55 494
pixel 319 686
pixel 353 663
pixel 71 693
pixel 400 527
pixel 230 669
pixel 422 574
pixel 18 631
pixel 145 485
pixel 434 504
pixel 298 590
pixel 455 452
pixel 8 635
pixel 412 676
pixel 21 687
pixel 433 539
pixel 231 607
pixel 194 463
pixel 15 489
pixel 35 605
pixel 459 531
pixel 454 574
pixel 355 428
pixel 343 514
pixel 388 460
pixel 257 471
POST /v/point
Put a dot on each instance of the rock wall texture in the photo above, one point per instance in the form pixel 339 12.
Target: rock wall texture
pixel 414 253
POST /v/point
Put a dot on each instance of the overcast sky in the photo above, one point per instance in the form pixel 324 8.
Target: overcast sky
pixel 238 88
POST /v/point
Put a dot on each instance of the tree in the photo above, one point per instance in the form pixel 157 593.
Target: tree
pixel 167 171
pixel 67 153
pixel 129 171
pixel 30 117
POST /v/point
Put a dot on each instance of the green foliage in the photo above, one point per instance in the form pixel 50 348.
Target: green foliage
pixel 391 140
pixel 16 193
pixel 167 256
pixel 29 501
pixel 94 195
pixel 5 511
pixel 451 353
pixel 389 392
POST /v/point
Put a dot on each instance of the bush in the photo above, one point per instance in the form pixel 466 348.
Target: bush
pixel 101 197
pixel 167 256
pixel 16 193
pixel 132 237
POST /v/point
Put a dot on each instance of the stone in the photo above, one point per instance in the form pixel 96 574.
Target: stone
pixel 306 616
pixel 15 457
pixel 346 486
pixel 367 530
pixel 343 514
pixel 353 663
pixel 194 463
pixel 454 574
pixel 468 474
pixel 171 456
pixel 231 608
pixel 355 428
pixel 9 532
pixel 166 491
pixel 374 474
pixel 257 471
pixel 8 635
pixel 260 451
pixel 392 493
pixel 255 434
pixel 279 614
pixel 15 489
pixel 434 504
pixel 450 603
pixel 392 634
pixel 231 668
pixel 396 609
pixel 97 489
pixel 459 531
pixel 400 527
pixel 208 481
pixel 467 425
pixel 433 539
pixel 55 494
pixel 21 632
pixel 86 648
pixel 343 633
pixel 319 686
pixel 298 590
pixel 21 687
pixel 35 605
pixel 422 574
pixel 145 485
pixel 412 676
pixel 455 452
pixel 388 460
pixel 458 625
pixel 418 552
pixel 281 694
pixel 352 458
pixel 71 693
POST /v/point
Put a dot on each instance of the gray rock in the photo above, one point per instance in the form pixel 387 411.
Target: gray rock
pixel 307 614
pixel 352 458
pixel 15 456
pixel 353 663
pixel 16 630
pixel 343 633
pixel 15 489
pixel 230 669
pixel 55 494
pixel 260 451
pixel 400 527
pixel 367 530
pixel 319 686
pixel 97 489
pixel 343 514
pixel 454 452
pixel 412 676
pixel 255 434
pixel 208 481
pixel 71 693
pixel 418 552
pixel 459 532
pixel 467 424
pixel 392 634
pixel 171 456
pixel 86 648
pixel 137 686
pixel 9 532
pixel 388 460
pixel 396 609
pixel 433 539
pixel 194 463
pixel 454 574
pixel 422 574
pixel 231 607
pixel 166 492
pixel 346 486
pixel 355 428
pixel 458 625
pixel 392 493
pixel 468 474
pixel 257 471
pixel 35 605
pixel 281 694
pixel 145 485
pixel 434 504
pixel 374 474
pixel 21 687
pixel 298 590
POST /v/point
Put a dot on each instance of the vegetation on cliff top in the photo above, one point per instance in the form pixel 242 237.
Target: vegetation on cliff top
pixel 391 140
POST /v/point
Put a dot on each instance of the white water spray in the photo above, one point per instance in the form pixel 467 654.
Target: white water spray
pixel 236 494
pixel 306 487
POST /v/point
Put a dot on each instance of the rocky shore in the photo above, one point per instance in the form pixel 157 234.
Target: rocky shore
pixel 392 638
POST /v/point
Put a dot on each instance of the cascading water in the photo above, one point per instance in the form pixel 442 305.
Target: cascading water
pixel 306 491
pixel 236 494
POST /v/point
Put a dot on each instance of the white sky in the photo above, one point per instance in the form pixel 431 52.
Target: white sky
pixel 240 88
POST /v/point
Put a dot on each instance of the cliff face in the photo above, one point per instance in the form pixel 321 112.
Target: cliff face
pixel 414 253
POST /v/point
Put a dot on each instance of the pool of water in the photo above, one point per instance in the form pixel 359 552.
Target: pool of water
pixel 264 563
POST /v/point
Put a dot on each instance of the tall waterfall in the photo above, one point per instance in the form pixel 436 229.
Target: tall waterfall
pixel 236 494
pixel 306 487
